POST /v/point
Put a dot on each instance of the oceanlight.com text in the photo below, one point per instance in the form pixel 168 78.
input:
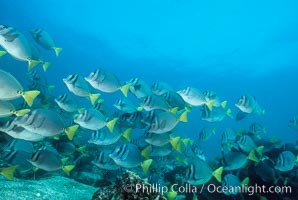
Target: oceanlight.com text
pixel 210 188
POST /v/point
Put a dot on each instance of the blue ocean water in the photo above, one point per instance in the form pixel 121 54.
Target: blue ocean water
pixel 231 47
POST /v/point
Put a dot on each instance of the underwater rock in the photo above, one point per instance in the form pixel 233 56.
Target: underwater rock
pixel 55 187
pixel 125 188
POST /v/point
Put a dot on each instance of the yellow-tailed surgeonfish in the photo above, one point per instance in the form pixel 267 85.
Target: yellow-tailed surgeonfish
pixel 128 155
pixel 195 97
pixel 248 104
pixel 67 103
pixel 19 132
pixel 44 39
pixel 92 119
pixel 103 161
pixel 45 122
pixel 80 87
pixel 106 81
pixel 17 45
pixel 8 109
pixel 11 89
pixel 199 172
pixel 48 159
pixel 139 88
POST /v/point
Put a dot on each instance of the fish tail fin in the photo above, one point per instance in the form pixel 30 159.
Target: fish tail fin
pixel 209 104
pixel 171 195
pixel 93 98
pixel 263 112
pixel 81 149
pixel 145 165
pixel 2 53
pixel 29 96
pixel 229 113
pixel 51 88
pixel 111 124
pixel 297 159
pixel 188 108
pixel 174 141
pixel 186 141
pixel 46 65
pixel 179 147
pixel 224 104
pixel 124 89
pixel 126 134
pixel 252 157
pixel 217 174
pixel 259 150
pixel 70 131
pixel 32 63
pixel 245 182
pixel 57 50
pixel 140 108
pixel 174 110
pixel 68 168
pixel 145 152
pixel 183 117
pixel 21 112
pixel 8 172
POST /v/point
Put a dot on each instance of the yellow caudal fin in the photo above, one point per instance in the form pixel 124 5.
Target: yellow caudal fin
pixel 145 152
pixel 57 50
pixel 81 149
pixel 32 63
pixel 252 156
pixel 51 88
pixel 29 96
pixel 183 117
pixel 125 88
pixel 174 141
pixel 21 112
pixel 245 182
pixel 174 110
pixel 70 131
pixel 229 113
pixel 2 53
pixel 64 160
pixel 259 150
pixel 224 104
pixel 171 195
pixel 93 98
pixel 110 125
pixel 45 65
pixel 8 172
pixel 209 104
pixel 126 134
pixel 179 147
pixel 68 168
pixel 186 141
pixel 217 174
pixel 139 108
pixel 145 165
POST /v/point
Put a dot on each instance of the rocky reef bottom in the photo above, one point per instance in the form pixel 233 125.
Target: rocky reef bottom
pixel 54 187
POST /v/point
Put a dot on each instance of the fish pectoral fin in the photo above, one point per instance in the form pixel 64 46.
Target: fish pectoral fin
pixel 145 165
pixel 217 174
pixel 29 96
pixel 8 172
pixel 57 50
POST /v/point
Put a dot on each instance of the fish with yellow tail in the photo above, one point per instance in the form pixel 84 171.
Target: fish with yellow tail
pixel 11 89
